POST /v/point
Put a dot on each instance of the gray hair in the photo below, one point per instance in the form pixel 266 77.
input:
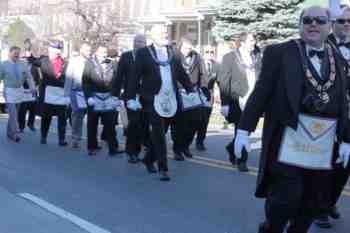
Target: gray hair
pixel 328 12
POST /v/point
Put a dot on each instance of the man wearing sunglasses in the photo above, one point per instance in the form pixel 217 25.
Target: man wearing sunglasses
pixel 341 40
pixel 301 93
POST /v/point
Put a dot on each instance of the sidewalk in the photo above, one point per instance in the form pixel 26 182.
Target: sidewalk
pixel 21 216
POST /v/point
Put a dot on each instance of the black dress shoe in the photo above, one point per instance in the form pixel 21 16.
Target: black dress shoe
pixel 92 153
pixel 200 147
pixel 32 128
pixel 334 213
pixel 14 139
pixel 43 141
pixel 242 167
pixel 63 143
pixel 178 156
pixel 163 176
pixel 99 148
pixel 133 159
pixel 232 157
pixel 150 167
pixel 188 153
pixel 322 221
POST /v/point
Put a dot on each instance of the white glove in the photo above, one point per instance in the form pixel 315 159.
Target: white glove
pixel 225 110
pixel 116 102
pixel 241 142
pixel 67 101
pixel 133 105
pixel 344 154
pixel 91 101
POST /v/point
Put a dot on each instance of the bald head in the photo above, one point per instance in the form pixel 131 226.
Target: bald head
pixel 139 41
pixel 159 34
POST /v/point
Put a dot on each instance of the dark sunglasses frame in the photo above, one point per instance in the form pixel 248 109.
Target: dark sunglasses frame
pixel 212 52
pixel 342 21
pixel 320 20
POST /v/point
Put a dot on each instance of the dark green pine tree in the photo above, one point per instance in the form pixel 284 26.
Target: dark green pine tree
pixel 270 20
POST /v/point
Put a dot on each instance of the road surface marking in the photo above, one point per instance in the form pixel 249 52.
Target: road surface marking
pixel 85 225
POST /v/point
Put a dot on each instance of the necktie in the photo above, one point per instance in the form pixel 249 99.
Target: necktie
pixel 319 54
pixel 16 70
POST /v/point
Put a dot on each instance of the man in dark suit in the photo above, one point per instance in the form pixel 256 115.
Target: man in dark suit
pixel 97 87
pixel 156 74
pixel 301 92
pixel 340 39
pixel 51 93
pixel 193 119
pixel 136 123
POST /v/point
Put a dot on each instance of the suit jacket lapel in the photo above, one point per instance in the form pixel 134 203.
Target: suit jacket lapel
pixel 154 62
pixel 294 78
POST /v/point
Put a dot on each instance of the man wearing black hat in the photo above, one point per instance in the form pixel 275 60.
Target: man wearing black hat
pixel 51 93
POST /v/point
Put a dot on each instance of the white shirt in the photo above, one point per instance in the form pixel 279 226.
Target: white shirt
pixel 74 74
pixel 315 61
pixel 344 50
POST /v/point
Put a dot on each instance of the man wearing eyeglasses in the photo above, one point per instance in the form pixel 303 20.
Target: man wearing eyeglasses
pixel 341 40
pixel 301 93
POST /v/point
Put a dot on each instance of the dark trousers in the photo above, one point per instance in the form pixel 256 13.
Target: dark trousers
pixel 136 132
pixel 158 146
pixel 296 196
pixel 203 126
pixel 24 108
pixel 340 178
pixel 107 119
pixel 48 111
pixel 234 116
pixel 115 123
pixel 177 126
pixel 191 121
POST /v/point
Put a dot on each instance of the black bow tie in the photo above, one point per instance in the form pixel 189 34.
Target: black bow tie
pixel 345 44
pixel 319 54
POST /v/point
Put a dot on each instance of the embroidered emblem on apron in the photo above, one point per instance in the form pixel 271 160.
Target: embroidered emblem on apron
pixel 165 103
pixel 311 145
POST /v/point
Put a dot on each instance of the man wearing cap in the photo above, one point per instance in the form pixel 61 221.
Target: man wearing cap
pixel 156 74
pixel 51 93
pixel 14 72
pixel 301 91
pixel 73 89
pixel 136 120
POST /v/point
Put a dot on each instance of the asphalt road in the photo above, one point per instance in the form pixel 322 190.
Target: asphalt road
pixel 205 195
